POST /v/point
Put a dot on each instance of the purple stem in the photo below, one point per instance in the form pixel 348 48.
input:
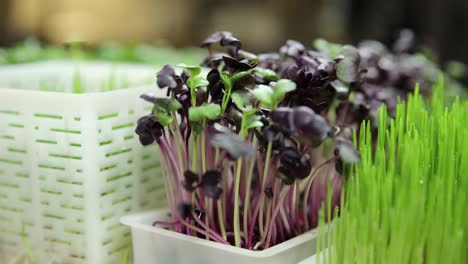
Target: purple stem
pixel 163 223
pixel 215 236
pixel 187 230
pixel 280 234
pixel 187 154
pixel 273 217
pixel 203 232
pixel 222 157
pixel 211 213
pixel 252 223
pixel 286 223
pixel 167 182
pixel 172 158
pixel 210 156
pixel 172 161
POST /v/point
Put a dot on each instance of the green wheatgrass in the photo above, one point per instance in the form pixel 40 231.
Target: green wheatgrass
pixel 406 202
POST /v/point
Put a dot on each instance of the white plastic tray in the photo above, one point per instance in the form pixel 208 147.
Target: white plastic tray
pixel 70 163
pixel 156 245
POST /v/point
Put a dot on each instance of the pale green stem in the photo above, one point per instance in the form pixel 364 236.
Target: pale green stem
pixel 243 132
pixel 236 204
pixel 203 148
pixel 247 199
pixel 221 219
pixel 195 155
pixel 220 203
pixel 264 180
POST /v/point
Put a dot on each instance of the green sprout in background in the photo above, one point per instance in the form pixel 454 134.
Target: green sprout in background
pixel 32 50
pixel 406 202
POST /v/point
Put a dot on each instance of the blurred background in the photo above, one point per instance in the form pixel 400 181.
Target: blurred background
pixel 262 25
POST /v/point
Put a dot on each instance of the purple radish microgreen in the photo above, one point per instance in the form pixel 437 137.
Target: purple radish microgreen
pixel 247 144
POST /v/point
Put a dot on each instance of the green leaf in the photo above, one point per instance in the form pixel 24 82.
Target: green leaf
pixel 194 80
pixel 330 49
pixel 212 111
pixel 228 83
pixel 226 79
pixel 167 104
pixel 239 75
pixel 267 74
pixel 193 70
pixel 163 108
pixel 253 121
pixel 264 94
pixel 197 81
pixel 207 111
pixel 238 100
pixel 247 55
pixel 163 118
pixel 281 88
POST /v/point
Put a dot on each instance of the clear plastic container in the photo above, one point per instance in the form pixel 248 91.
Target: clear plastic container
pixel 70 162
pixel 156 245
pixel 314 259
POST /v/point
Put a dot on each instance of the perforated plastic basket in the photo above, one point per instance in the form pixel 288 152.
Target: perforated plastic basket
pixel 70 163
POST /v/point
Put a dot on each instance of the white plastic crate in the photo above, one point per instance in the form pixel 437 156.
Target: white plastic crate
pixel 70 163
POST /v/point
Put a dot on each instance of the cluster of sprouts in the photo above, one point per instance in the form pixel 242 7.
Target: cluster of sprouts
pixel 252 145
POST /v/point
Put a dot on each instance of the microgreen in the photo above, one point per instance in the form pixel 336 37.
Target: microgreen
pixel 268 74
pixel 243 152
pixel 239 101
pixel 163 107
pixel 194 81
pixel 332 50
pixel 264 94
pixel 272 96
pixel 406 201
pixel 206 111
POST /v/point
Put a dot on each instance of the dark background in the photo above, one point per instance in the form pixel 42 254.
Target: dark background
pixel 262 25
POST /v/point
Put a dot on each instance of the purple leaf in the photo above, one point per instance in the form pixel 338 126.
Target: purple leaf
pixel 210 184
pixel 295 164
pixel 232 143
pixel 190 182
pixel 304 122
pixel 148 128
pixel 167 78
pixel 234 65
pixel 292 48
